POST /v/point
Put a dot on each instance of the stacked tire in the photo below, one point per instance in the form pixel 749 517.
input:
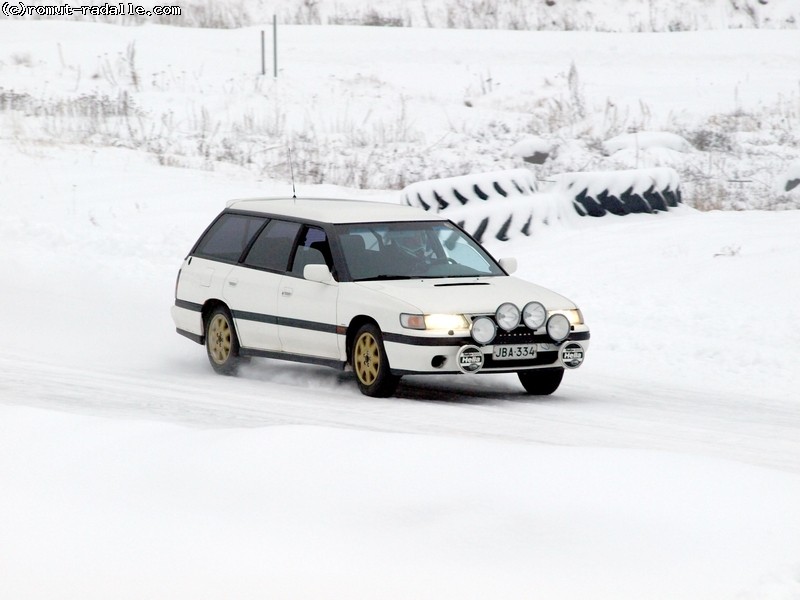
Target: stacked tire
pixel 634 191
pixel 504 205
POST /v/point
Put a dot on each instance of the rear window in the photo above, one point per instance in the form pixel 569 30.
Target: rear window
pixel 228 237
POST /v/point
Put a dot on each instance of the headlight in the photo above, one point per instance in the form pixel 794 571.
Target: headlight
pixel 573 314
pixel 483 330
pixel 558 327
pixel 534 315
pixel 507 316
pixel 444 322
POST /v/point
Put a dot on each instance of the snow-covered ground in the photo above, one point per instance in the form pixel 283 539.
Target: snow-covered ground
pixel 668 466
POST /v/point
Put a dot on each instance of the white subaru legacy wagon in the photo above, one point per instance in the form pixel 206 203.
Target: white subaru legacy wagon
pixel 382 289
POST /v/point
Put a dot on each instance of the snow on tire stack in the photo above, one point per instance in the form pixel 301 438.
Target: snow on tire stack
pixel 503 205
pixel 497 205
pixel 791 179
pixel 621 192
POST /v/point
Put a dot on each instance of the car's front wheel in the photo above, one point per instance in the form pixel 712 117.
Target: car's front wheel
pixel 541 382
pixel 368 358
pixel 222 345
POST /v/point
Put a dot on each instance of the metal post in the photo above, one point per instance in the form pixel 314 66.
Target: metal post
pixel 263 58
pixel 275 46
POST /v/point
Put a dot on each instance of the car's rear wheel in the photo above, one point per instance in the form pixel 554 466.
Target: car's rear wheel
pixel 222 345
pixel 368 358
pixel 541 382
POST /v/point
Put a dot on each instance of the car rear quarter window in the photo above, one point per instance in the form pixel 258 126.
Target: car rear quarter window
pixel 273 246
pixel 228 237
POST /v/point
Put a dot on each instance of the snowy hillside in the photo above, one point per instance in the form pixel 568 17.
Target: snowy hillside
pixel 377 107
pixel 667 466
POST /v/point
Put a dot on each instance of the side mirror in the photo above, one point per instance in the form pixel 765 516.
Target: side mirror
pixel 509 265
pixel 318 273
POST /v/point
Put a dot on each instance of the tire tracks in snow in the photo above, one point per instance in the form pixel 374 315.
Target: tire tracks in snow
pixel 628 414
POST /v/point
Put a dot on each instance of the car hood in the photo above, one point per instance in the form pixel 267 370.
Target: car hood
pixel 467 295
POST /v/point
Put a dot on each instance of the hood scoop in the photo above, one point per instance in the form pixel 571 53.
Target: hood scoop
pixel 460 284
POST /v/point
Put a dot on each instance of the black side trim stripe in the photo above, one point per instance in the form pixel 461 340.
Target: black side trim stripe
pixel 313 326
pixel 257 317
pixel 576 337
pixel 412 340
pixel 285 321
pixel 188 305
pixel 270 319
pixel 192 336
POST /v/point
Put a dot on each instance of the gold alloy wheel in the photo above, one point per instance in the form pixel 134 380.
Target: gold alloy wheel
pixel 367 358
pixel 219 339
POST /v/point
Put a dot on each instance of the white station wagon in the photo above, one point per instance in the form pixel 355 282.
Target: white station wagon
pixel 382 289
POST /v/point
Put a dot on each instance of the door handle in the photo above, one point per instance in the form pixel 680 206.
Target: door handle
pixel 233 282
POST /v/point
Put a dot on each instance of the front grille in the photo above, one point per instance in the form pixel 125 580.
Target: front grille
pixel 521 335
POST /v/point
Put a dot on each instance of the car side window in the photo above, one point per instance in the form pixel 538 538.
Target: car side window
pixel 228 237
pixel 312 250
pixel 273 246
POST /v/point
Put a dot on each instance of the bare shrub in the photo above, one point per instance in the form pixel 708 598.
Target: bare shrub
pixel 22 59
pixel 710 140
pixel 706 195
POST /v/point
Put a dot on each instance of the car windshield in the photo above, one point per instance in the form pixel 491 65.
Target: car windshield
pixel 412 250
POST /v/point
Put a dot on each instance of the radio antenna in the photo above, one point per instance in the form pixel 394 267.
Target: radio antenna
pixel 291 170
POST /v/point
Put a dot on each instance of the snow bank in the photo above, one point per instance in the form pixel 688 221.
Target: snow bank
pixel 645 140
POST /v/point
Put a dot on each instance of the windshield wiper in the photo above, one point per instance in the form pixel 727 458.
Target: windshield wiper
pixel 385 277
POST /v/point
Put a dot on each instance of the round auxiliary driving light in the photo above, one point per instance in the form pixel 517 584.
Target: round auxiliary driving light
pixel 507 316
pixel 483 330
pixel 572 355
pixel 558 327
pixel 534 315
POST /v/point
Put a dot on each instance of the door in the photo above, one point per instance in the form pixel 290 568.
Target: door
pixel 308 308
pixel 251 289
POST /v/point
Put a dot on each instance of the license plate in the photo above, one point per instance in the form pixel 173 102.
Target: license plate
pixel 515 351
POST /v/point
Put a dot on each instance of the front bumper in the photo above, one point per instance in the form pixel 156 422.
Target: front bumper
pixel 430 355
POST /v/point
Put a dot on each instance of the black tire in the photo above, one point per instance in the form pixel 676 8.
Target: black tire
pixel 371 366
pixel 222 343
pixel 541 382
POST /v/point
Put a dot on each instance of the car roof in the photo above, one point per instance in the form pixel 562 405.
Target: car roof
pixel 330 210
